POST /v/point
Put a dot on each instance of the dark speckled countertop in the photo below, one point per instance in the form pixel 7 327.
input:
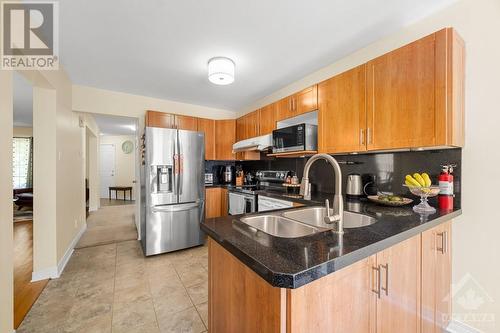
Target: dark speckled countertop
pixel 294 262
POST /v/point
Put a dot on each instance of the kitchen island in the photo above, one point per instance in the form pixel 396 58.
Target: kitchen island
pixel 390 276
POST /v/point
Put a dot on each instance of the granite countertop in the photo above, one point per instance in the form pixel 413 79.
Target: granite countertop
pixel 294 262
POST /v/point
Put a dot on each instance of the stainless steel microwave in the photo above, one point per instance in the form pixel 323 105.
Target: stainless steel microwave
pixel 295 138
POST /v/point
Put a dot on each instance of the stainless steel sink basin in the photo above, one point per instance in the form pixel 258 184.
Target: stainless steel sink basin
pixel 314 216
pixel 279 226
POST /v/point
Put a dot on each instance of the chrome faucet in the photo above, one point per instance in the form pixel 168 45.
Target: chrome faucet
pixel 338 202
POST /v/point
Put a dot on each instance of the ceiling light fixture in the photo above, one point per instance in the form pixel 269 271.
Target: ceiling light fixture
pixel 221 70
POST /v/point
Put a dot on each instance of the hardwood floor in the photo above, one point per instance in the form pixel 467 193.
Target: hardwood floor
pixel 25 292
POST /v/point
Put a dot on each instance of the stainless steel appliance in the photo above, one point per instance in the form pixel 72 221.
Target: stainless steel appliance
pixel 228 174
pixel 295 138
pixel 243 199
pixel 173 196
pixel 354 186
pixel 209 178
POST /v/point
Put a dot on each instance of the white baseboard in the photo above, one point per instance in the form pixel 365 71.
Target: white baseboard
pixel 56 271
pixel 459 327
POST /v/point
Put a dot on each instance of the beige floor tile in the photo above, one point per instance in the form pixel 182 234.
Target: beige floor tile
pixel 101 324
pixel 203 311
pixel 161 286
pixel 196 274
pixel 186 321
pixel 198 293
pixel 133 294
pixel 131 314
pixel 131 280
pixel 148 328
pixel 173 302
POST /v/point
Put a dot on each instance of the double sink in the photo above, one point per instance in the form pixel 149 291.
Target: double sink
pixel 303 222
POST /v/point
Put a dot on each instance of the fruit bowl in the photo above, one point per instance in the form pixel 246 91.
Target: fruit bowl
pixel 424 193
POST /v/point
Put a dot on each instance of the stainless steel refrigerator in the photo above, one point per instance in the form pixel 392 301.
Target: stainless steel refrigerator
pixel 173 192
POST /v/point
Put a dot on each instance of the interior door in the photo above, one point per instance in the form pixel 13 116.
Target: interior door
pixel 107 168
pixel 191 152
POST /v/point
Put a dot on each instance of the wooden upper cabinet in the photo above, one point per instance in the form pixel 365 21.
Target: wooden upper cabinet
pixel 298 103
pixel 252 124
pixel 415 94
pixel 169 120
pixel 160 119
pixel 207 126
pixel 398 307
pixel 225 137
pixel 186 123
pixel 342 112
pixel 306 100
pixel 267 119
pixel 436 278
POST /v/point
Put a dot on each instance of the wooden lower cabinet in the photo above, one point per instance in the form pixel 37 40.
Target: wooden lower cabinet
pixel 337 303
pixel 240 300
pixel 436 278
pixel 404 288
pixel 216 202
pixel 398 307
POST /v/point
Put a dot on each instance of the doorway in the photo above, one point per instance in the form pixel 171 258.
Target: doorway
pixel 107 169
pixel 26 292
pixel 114 178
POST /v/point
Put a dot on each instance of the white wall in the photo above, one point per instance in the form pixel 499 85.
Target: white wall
pixel 6 228
pixel 476 248
pixel 124 163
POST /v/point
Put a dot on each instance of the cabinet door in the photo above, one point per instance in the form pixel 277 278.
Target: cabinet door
pixel 436 278
pixel 160 119
pixel 224 202
pixel 305 100
pixel 337 303
pixel 398 307
pixel 252 124
pixel 267 119
pixel 342 112
pixel 213 202
pixel 186 123
pixel 207 126
pixel 401 97
pixel 285 108
pixel 225 136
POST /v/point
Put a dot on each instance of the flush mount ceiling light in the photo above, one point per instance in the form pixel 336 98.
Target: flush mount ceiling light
pixel 221 70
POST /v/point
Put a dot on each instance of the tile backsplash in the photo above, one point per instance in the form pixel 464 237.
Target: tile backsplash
pixel 390 168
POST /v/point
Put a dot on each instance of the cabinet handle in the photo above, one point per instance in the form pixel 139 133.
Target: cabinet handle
pixel 362 136
pixel 369 135
pixel 294 104
pixel 290 105
pixel 386 288
pixel 444 242
pixel 377 284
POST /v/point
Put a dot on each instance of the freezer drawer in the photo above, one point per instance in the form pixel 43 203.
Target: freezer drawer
pixel 173 227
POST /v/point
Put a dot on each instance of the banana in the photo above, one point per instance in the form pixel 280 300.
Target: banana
pixel 419 179
pixel 427 179
pixel 412 181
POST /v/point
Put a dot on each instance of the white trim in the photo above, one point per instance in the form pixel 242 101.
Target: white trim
pixel 456 326
pixel 55 272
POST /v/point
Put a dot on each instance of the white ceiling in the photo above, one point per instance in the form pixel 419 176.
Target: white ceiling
pixel 22 101
pixel 115 125
pixel 160 48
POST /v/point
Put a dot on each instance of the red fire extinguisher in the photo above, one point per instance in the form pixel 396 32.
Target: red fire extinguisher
pixel 445 180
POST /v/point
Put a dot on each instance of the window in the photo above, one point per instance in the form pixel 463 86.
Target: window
pixel 22 162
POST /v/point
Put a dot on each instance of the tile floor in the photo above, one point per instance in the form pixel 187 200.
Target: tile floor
pixel 113 288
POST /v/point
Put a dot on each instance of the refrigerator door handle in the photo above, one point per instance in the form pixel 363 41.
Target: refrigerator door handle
pixel 175 208
pixel 180 159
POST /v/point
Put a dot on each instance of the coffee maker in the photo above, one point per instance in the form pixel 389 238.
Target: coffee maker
pixel 228 175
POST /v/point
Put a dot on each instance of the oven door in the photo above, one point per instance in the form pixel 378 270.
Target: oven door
pixel 240 203
pixel 289 139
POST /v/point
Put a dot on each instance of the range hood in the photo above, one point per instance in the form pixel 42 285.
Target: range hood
pixel 258 143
